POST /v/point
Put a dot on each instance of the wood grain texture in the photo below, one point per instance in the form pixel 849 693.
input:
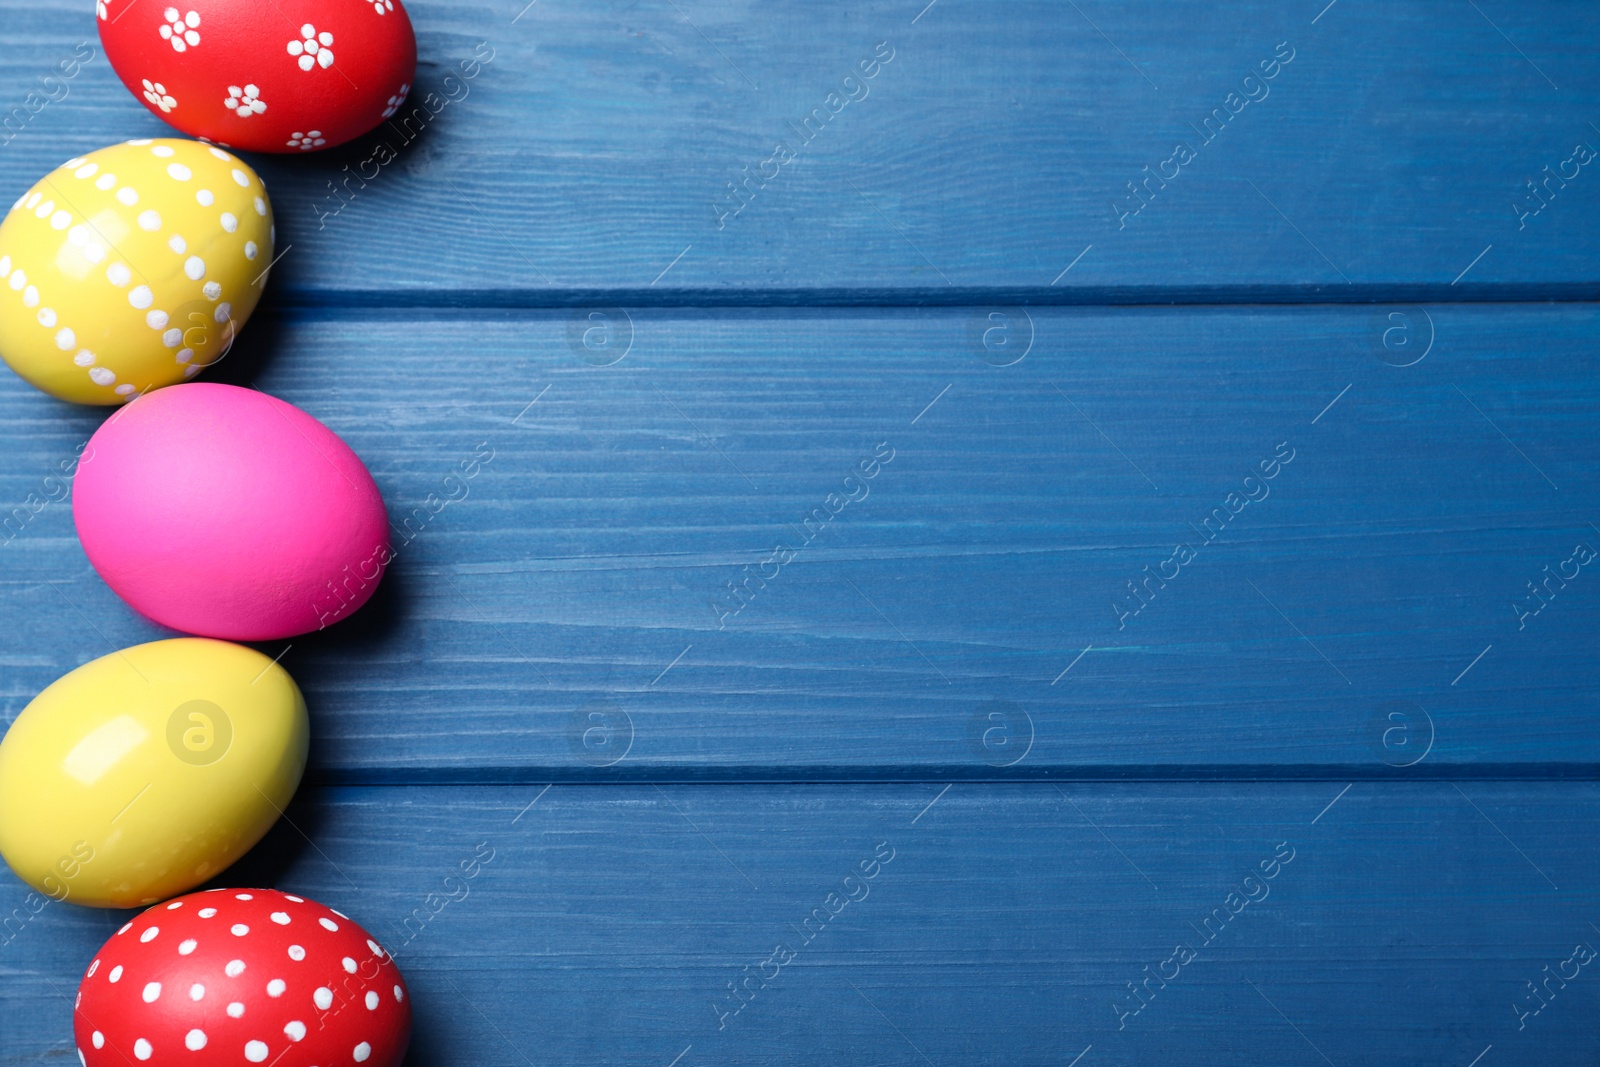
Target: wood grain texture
pixel 594 396
pixel 596 148
pixel 585 565
pixel 607 921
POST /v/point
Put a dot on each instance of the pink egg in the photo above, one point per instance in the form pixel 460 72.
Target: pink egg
pixel 228 513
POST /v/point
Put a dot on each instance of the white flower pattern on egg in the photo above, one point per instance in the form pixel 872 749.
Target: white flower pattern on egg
pixel 157 95
pixel 245 101
pixel 312 49
pixel 307 141
pixel 382 7
pixel 394 102
pixel 180 30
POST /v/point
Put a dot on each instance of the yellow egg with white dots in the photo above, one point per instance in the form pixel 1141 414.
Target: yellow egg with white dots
pixel 131 268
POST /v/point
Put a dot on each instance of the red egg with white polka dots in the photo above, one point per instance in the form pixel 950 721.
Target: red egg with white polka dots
pixel 238 977
pixel 283 76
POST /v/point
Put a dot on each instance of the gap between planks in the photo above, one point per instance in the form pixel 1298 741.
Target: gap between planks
pixel 738 775
pixel 1361 294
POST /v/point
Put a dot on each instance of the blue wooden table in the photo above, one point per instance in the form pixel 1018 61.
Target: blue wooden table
pixel 1045 533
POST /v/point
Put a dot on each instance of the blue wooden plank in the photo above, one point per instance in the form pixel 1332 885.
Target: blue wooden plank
pixel 604 924
pixel 550 618
pixel 565 611
pixel 1017 150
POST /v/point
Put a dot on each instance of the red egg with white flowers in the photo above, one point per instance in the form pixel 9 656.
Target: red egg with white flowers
pixel 285 76
pixel 238 977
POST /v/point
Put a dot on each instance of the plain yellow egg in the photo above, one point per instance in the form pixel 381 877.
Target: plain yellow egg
pixel 131 268
pixel 143 773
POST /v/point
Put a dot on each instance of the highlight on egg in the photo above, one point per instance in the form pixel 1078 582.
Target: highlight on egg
pixel 148 771
pixel 229 513
pixel 286 76
pixel 131 268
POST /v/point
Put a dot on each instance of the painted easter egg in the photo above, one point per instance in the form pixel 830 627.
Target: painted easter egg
pixel 131 268
pixel 287 76
pixel 233 977
pixel 229 513
pixel 143 773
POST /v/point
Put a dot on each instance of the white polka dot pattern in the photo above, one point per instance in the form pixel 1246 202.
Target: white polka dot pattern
pixel 169 224
pixel 295 975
